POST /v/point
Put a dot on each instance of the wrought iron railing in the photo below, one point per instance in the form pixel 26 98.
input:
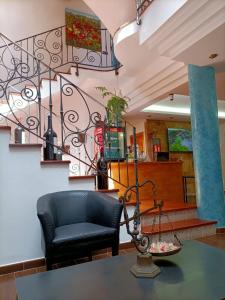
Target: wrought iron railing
pixel 50 48
pixel 75 114
pixel 141 6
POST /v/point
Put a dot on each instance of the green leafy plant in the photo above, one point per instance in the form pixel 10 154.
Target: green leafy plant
pixel 116 105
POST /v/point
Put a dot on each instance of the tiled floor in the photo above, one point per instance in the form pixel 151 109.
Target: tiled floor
pixel 7 282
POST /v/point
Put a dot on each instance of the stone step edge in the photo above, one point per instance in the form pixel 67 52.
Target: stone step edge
pixel 55 162
pixel 4 127
pixel 177 225
pixel 25 145
pixel 108 191
pixel 78 177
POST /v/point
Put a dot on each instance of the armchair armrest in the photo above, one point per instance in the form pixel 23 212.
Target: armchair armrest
pixel 47 221
pixel 104 210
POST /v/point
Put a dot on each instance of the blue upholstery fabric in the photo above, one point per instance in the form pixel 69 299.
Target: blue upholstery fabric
pixel 81 231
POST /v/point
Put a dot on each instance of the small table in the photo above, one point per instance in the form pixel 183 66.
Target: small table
pixel 197 272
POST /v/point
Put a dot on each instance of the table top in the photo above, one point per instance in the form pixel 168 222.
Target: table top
pixel 197 272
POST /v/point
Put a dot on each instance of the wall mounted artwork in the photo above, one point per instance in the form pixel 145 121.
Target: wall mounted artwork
pixel 83 30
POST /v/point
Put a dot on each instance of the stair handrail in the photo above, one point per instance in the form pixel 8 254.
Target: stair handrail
pixel 57 73
pixel 39 43
pixel 141 6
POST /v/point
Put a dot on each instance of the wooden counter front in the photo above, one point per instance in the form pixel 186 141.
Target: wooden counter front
pixel 166 175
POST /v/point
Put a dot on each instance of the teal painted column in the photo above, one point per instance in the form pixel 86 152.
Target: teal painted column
pixel 206 144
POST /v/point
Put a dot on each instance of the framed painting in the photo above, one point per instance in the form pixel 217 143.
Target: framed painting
pixel 83 30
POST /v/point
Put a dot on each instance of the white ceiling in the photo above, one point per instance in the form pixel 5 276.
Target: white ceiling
pixel 199 53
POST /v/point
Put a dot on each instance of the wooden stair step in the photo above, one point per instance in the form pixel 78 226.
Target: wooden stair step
pixel 2 127
pixel 25 145
pixel 74 177
pixel 168 207
pixel 55 162
pixel 177 225
pixel 108 191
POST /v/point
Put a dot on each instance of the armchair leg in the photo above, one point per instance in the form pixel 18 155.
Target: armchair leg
pixel 115 250
pixel 90 257
pixel 48 265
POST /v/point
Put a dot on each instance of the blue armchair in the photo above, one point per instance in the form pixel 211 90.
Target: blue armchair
pixel 75 223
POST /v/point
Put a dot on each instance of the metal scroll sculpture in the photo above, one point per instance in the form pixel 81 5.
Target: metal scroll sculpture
pixel 141 242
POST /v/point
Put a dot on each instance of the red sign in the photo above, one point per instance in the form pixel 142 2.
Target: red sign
pixel 156 148
pixel 99 141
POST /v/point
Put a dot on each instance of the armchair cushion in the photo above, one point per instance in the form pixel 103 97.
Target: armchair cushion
pixel 80 232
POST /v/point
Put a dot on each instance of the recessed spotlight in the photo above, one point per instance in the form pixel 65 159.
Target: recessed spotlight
pixel 213 55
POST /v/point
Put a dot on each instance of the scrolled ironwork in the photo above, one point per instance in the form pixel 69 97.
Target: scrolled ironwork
pixel 74 168
pixel 50 47
pixel 75 141
pixel 29 94
pixel 67 89
pixel 22 68
pixel 96 118
pixel 32 122
pixel 70 116
pixel 141 242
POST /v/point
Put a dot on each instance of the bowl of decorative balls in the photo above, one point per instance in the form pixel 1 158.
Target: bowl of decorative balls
pixel 164 249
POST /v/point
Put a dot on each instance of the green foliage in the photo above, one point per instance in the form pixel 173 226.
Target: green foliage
pixel 179 140
pixel 177 145
pixel 116 105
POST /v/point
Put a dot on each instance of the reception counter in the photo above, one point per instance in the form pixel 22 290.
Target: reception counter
pixel 166 175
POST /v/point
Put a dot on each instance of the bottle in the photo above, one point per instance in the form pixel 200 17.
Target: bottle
pixel 130 154
pixel 102 172
pixel 50 136
pixel 19 134
pixel 59 154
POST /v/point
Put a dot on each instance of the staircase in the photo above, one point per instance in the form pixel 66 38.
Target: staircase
pixel 181 220
pixel 30 90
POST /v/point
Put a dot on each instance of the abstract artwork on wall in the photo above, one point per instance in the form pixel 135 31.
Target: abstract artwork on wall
pixel 83 30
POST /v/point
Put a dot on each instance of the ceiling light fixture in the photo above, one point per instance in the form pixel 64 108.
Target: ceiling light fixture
pixel 167 109
pixel 175 110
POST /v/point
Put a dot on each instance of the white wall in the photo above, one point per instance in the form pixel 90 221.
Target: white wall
pixel 137 123
pixel 23 180
pixel 125 12
pixel 124 237
pixel 22 18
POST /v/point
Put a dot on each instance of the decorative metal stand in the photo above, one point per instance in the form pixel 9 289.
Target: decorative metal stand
pixel 144 266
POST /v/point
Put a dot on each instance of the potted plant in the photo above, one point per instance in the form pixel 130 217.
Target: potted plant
pixel 116 105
